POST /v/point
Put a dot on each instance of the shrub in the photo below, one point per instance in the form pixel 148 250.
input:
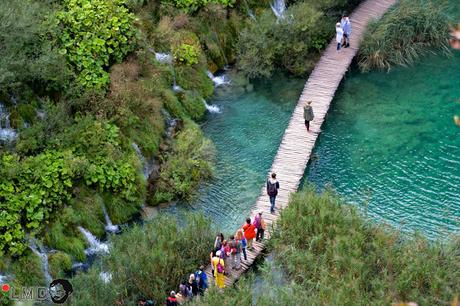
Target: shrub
pixel 186 54
pixel 191 6
pixel 95 34
pixel 411 29
pixel 147 261
pixel 59 263
pixel 188 164
pixel 194 105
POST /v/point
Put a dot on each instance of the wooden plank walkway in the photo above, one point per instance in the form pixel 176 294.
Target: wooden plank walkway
pixel 297 144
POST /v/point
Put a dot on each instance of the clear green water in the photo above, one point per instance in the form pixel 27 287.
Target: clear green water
pixel 389 140
pixel 246 135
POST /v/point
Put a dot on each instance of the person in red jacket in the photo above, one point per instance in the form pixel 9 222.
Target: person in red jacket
pixel 249 232
pixel 171 300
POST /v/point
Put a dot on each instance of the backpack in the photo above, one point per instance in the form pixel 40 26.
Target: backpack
pixel 271 190
pixel 220 268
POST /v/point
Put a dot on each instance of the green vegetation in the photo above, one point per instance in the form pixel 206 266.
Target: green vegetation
pixel 191 6
pixel 331 255
pixel 412 28
pixel 147 261
pixel 95 34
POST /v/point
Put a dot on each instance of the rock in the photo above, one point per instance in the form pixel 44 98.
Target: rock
pixel 149 212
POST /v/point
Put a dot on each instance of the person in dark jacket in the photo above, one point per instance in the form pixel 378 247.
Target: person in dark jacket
pixel 193 284
pixel 272 190
pixel 308 114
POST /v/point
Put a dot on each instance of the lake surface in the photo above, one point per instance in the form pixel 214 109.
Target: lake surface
pixel 389 142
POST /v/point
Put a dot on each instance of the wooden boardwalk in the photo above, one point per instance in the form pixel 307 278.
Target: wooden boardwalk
pixel 297 144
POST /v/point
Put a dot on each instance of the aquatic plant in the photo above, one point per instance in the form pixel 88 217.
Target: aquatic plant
pixel 409 30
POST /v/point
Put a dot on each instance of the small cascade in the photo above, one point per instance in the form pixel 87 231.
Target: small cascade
pixel 147 165
pixel 109 226
pixel 278 8
pixel 3 279
pixel 171 124
pixel 163 58
pixel 213 109
pixel 106 277
pixel 41 253
pixel 95 246
pixel 7 134
pixel 80 266
pixel 218 80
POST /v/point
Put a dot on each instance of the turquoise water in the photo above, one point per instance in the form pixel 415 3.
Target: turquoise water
pixel 389 141
pixel 246 134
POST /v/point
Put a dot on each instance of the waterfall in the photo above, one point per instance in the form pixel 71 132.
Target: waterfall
pixel 171 123
pixel 278 8
pixel 147 166
pixel 163 58
pixel 106 277
pixel 7 134
pixel 41 253
pixel 95 246
pixel 218 80
pixel 213 109
pixel 109 227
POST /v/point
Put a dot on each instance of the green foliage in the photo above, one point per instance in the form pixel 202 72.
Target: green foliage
pixel 27 58
pixel 195 79
pixel 95 34
pixel 331 255
pixel 412 28
pixel 147 262
pixel 186 54
pixel 27 270
pixel 59 263
pixel 61 236
pixel 293 43
pixel 188 164
pixel 194 105
pixel 191 6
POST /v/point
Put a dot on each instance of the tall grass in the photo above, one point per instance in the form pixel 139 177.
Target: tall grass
pixel 412 28
pixel 331 255
pixel 146 262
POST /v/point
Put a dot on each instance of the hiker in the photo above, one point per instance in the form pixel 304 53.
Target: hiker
pixel 144 302
pixel 171 300
pixel 259 222
pixel 235 249
pixel 272 190
pixel 240 238
pixel 185 290
pixel 249 232
pixel 339 35
pixel 202 280
pixel 345 24
pixel 219 269
pixel 219 240
pixel 193 284
pixel 211 256
pixel 308 114
pixel 225 255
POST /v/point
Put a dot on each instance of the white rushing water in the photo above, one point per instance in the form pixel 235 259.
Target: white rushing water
pixel 147 165
pixel 41 253
pixel 163 58
pixel 278 8
pixel 106 277
pixel 7 134
pixel 214 109
pixel 109 226
pixel 218 80
pixel 95 246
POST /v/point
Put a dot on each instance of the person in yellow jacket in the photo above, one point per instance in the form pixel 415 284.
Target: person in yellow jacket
pixel 219 269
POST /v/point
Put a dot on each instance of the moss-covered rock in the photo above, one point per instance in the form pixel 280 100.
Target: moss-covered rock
pixel 195 78
pixel 27 270
pixel 119 210
pixel 59 264
pixel 194 104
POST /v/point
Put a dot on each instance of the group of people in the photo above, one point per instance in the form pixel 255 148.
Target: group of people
pixel 196 284
pixel 343 32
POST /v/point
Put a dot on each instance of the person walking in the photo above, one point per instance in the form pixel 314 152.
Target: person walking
pixel 193 285
pixel 201 279
pixel 249 232
pixel 345 24
pixel 240 238
pixel 339 35
pixel 308 114
pixel 272 190
pixel 171 300
pixel 260 227
pixel 219 269
pixel 225 255
pixel 235 250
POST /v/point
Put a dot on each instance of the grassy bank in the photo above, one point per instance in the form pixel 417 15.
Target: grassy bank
pixel 330 254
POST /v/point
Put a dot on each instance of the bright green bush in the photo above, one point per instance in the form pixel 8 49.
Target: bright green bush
pixel 186 54
pixel 194 105
pixel 190 161
pixel 412 28
pixel 95 34
pixel 59 263
pixel 147 261
pixel 191 6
